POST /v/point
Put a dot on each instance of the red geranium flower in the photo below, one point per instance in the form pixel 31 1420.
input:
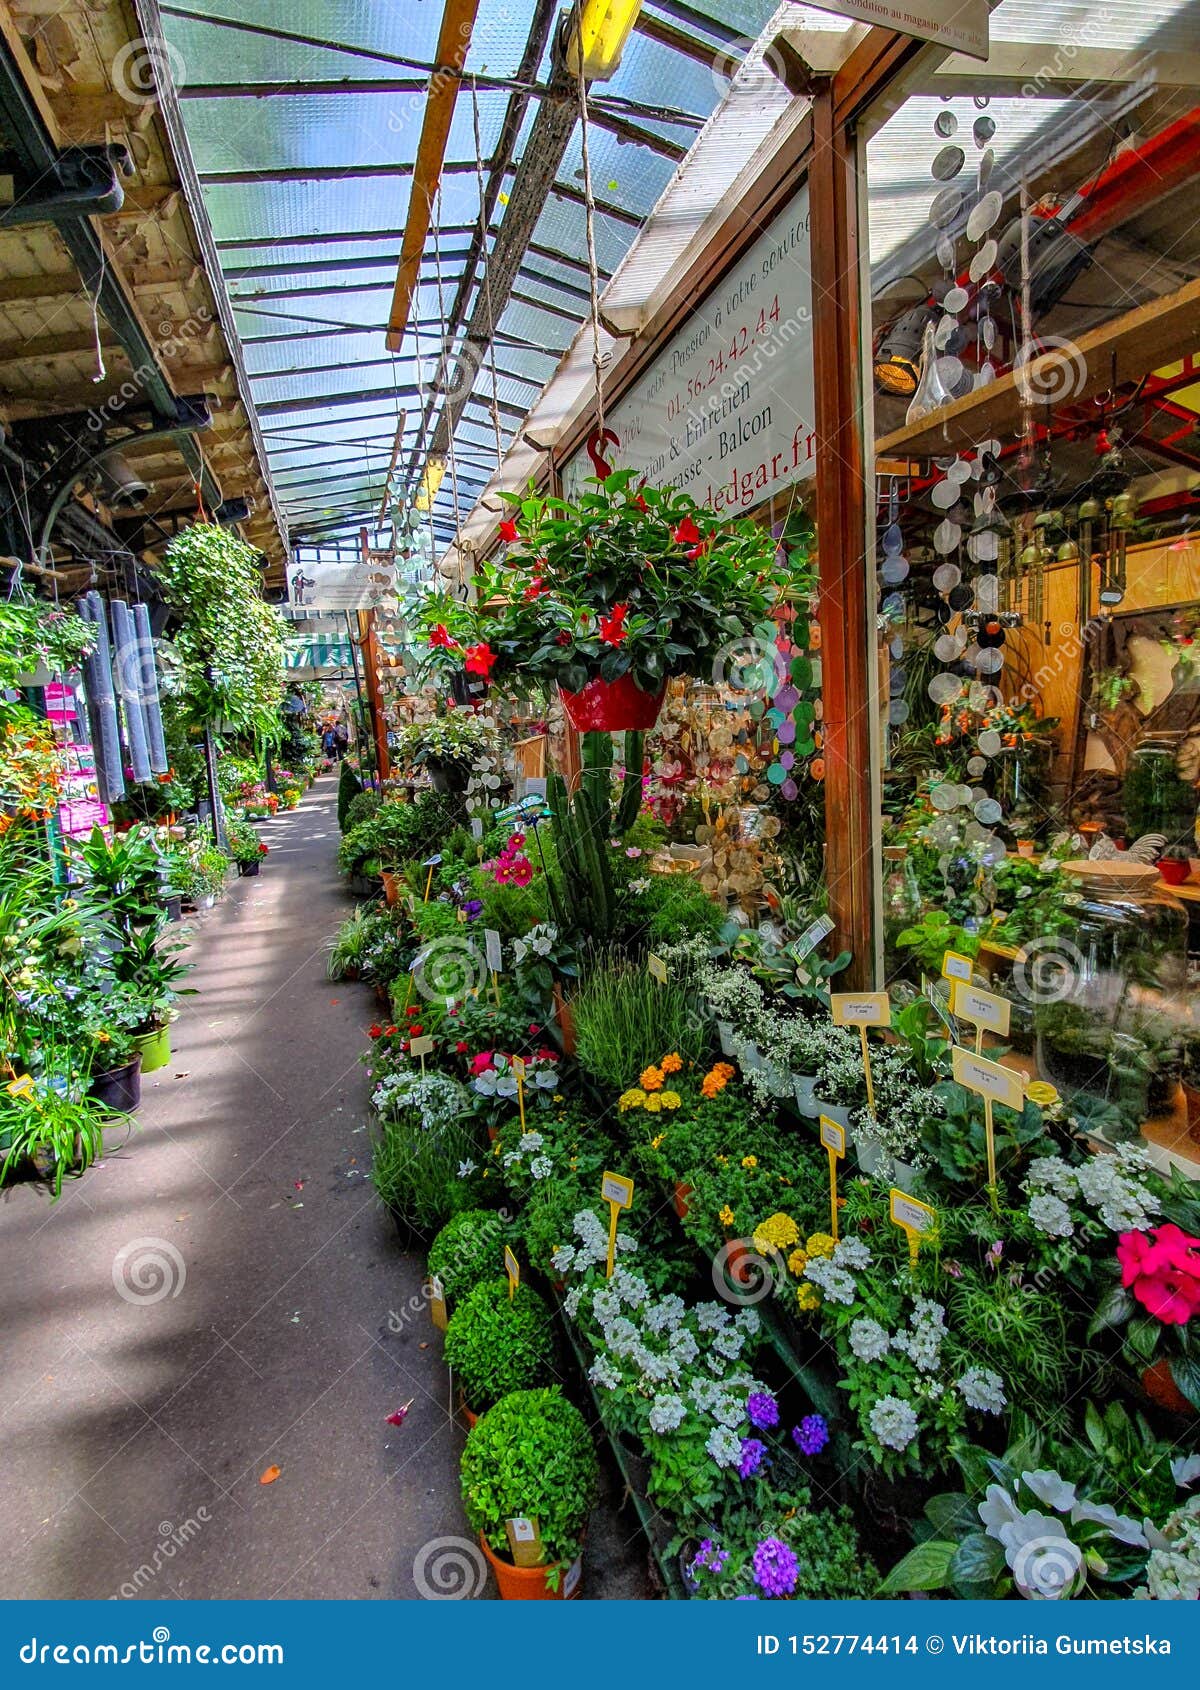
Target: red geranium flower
pixel 535 590
pixel 480 659
pixel 508 530
pixel 461 1047
pixel 440 636
pixel 687 534
pixel 612 628
pixel 374 1031
pixel 390 1032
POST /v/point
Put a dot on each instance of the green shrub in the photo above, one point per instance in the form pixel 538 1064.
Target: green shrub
pixel 532 1457
pixel 497 1344
pixel 625 1020
pixel 399 833
pixel 350 946
pixel 467 1251
pixel 349 787
pixel 672 907
pixel 435 920
pixel 361 807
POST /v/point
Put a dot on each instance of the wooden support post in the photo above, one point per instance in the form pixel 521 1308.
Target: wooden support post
pixel 846 577
pixel 369 647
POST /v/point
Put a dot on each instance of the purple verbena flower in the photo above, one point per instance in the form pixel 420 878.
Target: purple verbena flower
pixel 763 1410
pixel 776 1569
pixel 753 1451
pixel 811 1435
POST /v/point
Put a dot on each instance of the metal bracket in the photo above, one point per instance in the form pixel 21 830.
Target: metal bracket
pixel 81 182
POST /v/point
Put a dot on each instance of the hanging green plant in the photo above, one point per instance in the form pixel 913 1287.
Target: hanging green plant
pixel 230 645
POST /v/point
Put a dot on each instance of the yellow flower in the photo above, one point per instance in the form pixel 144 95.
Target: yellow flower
pixel 777 1232
pixel 749 1161
pixel 820 1244
pixel 653 1104
pixel 632 1099
pixel 726 1216
pixel 656 1141
pixel 496 1148
pixel 671 1064
pixel 797 1262
pixel 722 1160
pixel 670 1099
pixel 806 1296
pixel 651 1079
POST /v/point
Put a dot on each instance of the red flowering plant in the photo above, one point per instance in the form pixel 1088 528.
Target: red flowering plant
pixel 626 580
pixel 1157 1303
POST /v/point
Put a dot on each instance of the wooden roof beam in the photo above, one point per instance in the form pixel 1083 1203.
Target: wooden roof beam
pixel 454 39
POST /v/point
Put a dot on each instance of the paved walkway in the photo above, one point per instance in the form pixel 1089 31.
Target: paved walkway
pixel 213 1301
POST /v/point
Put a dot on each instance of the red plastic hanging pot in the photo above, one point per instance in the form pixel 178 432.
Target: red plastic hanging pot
pixel 613 706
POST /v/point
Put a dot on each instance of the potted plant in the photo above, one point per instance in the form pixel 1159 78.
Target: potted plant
pixel 610 596
pixel 447 747
pixel 425 1148
pixel 116 1079
pixel 467 1251
pixel 51 1130
pixel 531 1458
pixel 496 1343
pixel 246 848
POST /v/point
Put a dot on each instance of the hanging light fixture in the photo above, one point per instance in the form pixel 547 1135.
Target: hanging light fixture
pixel 599 30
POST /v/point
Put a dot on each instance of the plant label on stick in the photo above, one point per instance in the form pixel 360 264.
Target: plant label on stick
pixel 617 1192
pixel 492 950
pixel 518 1068
pixel 20 1087
pixel 476 828
pixel 913 1217
pixel 573 1576
pixel 524 1542
pixel 430 863
pixel 862 1010
pixel 657 968
pixel 833 1137
pixel 512 1268
pixel 955 966
pixel 995 1084
pixel 437 1303
pixel 987 1011
pixel 811 937
pixel 421 1047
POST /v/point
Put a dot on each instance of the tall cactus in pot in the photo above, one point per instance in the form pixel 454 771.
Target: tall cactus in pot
pixel 582 823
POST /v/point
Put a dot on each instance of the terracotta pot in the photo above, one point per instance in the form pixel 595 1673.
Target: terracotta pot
pixel 391 885
pixel 1174 870
pixel 612 706
pixel 493 1134
pixel 467 1413
pixel 1160 1387
pixel 528 1584
pixel 565 1019
pixel 680 1199
pixel 1192 1095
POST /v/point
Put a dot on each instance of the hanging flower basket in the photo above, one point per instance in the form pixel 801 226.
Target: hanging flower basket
pixel 612 706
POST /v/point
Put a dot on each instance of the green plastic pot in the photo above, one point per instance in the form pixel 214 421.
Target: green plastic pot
pixel 155 1049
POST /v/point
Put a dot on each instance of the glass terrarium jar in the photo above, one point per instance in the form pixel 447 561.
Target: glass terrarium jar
pixel 1109 993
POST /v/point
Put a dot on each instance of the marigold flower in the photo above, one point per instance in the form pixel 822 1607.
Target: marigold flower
pixel 777 1232
pixel 820 1244
pixel 651 1079
pixel 632 1099
pixel 797 1262
pixel 653 1103
pixel 657 1140
pixel 749 1161
pixel 670 1099
pixel 726 1216
pixel 671 1064
pixel 807 1297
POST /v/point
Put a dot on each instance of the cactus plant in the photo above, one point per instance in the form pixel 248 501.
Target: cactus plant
pixel 582 890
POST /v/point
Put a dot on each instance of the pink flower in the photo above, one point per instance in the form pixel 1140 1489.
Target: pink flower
pixel 482 1062
pixel 1162 1268
pixel 522 872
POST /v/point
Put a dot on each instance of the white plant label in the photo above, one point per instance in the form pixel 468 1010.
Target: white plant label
pixel 493 951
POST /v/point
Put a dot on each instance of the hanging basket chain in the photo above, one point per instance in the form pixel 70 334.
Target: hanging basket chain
pixel 589 202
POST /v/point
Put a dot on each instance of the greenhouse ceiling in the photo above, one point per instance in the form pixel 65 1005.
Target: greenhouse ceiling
pixel 306 121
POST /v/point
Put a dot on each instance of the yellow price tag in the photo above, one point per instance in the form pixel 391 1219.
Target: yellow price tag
pixel 20 1087
pixel 995 1084
pixel 956 966
pixel 512 1268
pixel 617 1192
pixel 913 1217
pixel 657 968
pixel 833 1137
pixel 860 1009
pixel 437 1303
pixel 986 1011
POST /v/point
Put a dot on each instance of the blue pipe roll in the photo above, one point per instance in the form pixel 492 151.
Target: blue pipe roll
pixel 128 676
pixel 102 704
pixel 151 705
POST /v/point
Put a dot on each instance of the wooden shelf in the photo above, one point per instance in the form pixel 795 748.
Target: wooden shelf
pixel 1119 352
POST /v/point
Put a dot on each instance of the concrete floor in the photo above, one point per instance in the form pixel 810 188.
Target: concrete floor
pixel 221 1295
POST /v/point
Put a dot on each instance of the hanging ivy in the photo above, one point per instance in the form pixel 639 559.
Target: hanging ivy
pixel 230 645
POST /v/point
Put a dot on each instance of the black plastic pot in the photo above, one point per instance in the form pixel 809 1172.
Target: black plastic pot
pixel 119 1089
pixel 247 870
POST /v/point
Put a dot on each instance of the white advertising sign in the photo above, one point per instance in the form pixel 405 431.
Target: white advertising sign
pixel 349 581
pixel 725 412
pixel 961 24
